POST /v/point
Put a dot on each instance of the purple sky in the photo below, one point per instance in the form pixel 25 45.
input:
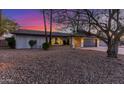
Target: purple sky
pixel 26 18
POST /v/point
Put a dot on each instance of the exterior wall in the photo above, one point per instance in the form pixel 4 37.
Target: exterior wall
pixel 22 41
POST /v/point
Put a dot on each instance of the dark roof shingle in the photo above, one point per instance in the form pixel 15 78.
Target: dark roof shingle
pixel 38 33
pixel 42 33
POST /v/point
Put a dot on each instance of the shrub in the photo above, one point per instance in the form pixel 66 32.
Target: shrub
pixel 32 43
pixel 45 46
pixel 11 42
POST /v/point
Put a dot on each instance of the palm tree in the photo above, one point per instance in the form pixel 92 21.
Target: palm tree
pixel 45 27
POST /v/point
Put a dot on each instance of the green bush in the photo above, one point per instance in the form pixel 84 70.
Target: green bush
pixel 32 43
pixel 45 46
pixel 11 42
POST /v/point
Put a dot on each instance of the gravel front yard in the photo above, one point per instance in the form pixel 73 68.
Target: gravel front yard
pixel 59 65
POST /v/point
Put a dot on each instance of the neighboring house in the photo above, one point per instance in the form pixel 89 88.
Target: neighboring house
pixel 75 40
pixel 3 42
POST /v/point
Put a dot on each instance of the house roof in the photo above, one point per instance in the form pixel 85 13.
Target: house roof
pixel 38 33
pixel 42 33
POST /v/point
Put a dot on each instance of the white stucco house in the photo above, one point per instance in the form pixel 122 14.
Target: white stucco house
pixel 23 37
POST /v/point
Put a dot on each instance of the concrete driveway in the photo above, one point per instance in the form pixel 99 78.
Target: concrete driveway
pixel 104 49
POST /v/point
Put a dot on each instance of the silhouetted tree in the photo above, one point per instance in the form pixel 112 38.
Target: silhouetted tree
pixel 107 25
pixel 45 26
pixel 50 13
pixel 50 38
pixel 69 19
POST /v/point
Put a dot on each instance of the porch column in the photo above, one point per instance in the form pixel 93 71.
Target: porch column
pixel 82 42
pixel 72 42
pixel 97 42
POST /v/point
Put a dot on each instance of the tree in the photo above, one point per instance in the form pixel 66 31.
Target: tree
pixel 49 14
pixel 107 25
pixel 69 19
pixel 50 38
pixel 7 25
pixel 45 26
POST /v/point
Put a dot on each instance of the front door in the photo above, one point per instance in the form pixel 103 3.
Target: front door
pixel 77 41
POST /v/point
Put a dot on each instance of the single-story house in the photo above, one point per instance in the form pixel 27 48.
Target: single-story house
pixel 23 37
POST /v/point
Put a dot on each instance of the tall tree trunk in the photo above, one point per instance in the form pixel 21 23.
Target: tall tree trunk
pixel 78 18
pixel 45 27
pixel 112 50
pixel 50 42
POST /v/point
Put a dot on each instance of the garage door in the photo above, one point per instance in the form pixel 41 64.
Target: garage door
pixel 90 42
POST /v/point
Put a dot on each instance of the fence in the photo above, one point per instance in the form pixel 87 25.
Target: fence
pixel 3 44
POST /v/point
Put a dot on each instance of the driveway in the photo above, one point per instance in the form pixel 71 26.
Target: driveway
pixel 104 49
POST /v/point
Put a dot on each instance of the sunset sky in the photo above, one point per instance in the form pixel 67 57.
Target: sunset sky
pixel 27 18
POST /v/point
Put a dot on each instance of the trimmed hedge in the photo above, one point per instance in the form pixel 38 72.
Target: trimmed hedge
pixel 32 43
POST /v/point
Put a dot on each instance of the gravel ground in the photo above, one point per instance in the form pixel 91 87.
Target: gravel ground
pixel 61 65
